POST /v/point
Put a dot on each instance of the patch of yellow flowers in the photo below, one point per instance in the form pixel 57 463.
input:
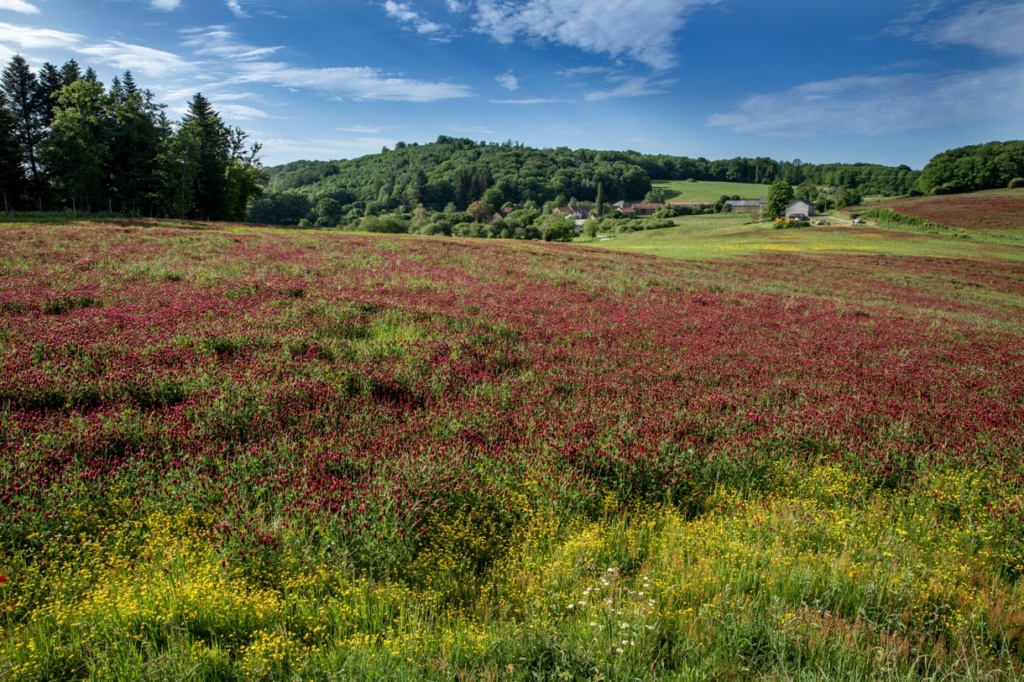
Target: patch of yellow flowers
pixel 822 563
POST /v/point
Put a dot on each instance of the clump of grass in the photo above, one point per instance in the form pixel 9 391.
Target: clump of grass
pixel 65 304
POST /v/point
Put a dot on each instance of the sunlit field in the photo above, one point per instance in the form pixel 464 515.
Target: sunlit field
pixel 241 453
pixel 707 190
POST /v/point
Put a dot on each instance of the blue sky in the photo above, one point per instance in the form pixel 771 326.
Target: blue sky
pixel 881 81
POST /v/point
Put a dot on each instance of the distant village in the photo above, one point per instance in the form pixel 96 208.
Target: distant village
pixel 801 209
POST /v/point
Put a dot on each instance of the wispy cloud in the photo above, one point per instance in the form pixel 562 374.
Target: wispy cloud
pixel 878 105
pixel 405 14
pixel 28 38
pixel 457 5
pixel 629 87
pixel 583 71
pixel 240 112
pixel 508 81
pixel 361 83
pixel 643 31
pixel 366 130
pixel 472 130
pixel 19 6
pixel 144 60
pixel 990 26
pixel 165 5
pixel 911 22
pixel 218 41
pixel 529 101
pixel 280 150
pixel 236 8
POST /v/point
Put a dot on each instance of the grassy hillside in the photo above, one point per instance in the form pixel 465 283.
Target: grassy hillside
pixel 709 192
pixel 998 209
pixel 727 235
pixel 235 453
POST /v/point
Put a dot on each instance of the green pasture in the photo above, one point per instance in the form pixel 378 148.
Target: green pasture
pixel 710 192
pixel 726 235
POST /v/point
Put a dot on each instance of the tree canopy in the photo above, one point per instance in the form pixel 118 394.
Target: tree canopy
pixel 780 195
pixel 968 169
pixel 481 177
pixel 66 141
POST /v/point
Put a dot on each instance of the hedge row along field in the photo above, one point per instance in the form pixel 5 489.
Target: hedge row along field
pixel 251 454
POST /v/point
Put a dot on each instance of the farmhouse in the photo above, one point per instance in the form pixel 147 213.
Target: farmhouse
pixel 636 210
pixel 643 210
pixel 800 209
pixel 746 205
pixel 582 211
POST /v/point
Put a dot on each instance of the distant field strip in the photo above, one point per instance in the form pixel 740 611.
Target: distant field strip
pixel 709 192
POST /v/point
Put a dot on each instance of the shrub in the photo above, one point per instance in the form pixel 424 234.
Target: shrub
pixel 1016 183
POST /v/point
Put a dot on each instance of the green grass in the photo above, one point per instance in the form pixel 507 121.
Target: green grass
pixel 727 235
pixel 684 190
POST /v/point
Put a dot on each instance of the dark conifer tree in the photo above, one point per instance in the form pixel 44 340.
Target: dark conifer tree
pixel 202 148
pixel 12 177
pixel 21 88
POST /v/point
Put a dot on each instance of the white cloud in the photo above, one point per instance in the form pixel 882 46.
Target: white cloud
pixel 910 23
pixel 165 5
pixel 404 13
pixel 282 150
pixel 361 83
pixel 139 59
pixel 19 6
pixel 218 41
pixel 629 87
pixel 28 38
pixel 643 31
pixel 457 5
pixel 990 26
pixel 878 105
pixel 367 130
pixel 582 71
pixel 508 81
pixel 472 130
pixel 236 8
pixel 530 101
pixel 239 112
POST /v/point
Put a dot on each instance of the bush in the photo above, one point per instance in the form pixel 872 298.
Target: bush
pixel 1016 183
pixel 384 224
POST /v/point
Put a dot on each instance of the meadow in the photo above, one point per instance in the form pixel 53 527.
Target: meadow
pixel 255 454
pixel 708 191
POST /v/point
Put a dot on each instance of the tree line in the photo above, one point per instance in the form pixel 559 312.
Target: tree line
pixel 69 142
pixel 454 173
pixel 994 165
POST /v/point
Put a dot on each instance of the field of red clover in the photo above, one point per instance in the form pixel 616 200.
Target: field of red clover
pixel 256 454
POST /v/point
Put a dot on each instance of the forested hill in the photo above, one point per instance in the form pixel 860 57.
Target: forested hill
pixel 993 165
pixel 454 172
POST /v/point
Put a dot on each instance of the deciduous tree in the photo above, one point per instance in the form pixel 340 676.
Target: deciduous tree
pixel 780 195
